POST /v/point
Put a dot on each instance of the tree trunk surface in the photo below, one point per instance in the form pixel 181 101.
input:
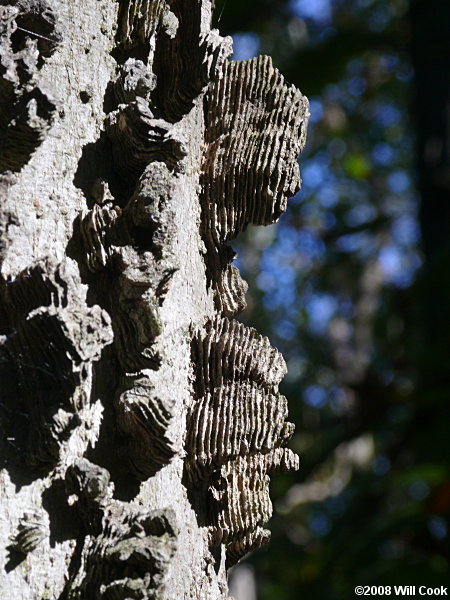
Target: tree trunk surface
pixel 139 420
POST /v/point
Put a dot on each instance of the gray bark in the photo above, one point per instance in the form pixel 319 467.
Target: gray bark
pixel 139 420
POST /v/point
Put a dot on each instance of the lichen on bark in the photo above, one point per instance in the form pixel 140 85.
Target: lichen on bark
pixel 139 419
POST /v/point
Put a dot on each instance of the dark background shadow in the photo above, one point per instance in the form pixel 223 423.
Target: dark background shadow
pixel 352 286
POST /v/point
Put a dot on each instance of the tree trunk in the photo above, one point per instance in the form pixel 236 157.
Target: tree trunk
pixel 139 420
pixel 430 51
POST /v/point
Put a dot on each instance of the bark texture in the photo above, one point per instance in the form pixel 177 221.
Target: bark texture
pixel 139 420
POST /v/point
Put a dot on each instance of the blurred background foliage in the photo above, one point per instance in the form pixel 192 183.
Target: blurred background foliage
pixel 352 285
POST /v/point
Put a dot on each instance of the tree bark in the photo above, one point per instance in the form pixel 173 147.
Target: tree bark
pixel 139 420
